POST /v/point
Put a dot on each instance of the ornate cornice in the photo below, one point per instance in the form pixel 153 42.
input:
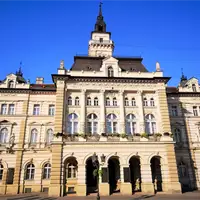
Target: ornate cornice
pixel 27 91
pixel 56 77
pixel 184 94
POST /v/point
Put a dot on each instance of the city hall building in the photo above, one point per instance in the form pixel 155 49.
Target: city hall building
pixel 145 134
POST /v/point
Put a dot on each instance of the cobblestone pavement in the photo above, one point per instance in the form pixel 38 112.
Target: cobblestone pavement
pixel 186 196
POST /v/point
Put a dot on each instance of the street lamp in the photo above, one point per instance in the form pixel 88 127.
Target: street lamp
pixel 95 163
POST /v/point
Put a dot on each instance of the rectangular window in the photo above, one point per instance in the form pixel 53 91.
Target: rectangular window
pixel 51 110
pixel 36 109
pixel 101 39
pixel 174 111
pixel 11 109
pixel 4 109
pixel 195 112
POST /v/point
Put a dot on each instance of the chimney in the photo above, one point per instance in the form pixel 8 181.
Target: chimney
pixel 39 80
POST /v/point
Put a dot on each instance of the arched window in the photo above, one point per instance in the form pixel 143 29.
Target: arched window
pixel 152 102
pixel 133 102
pixel 111 123
pixel 71 170
pixel 182 169
pixel 92 123
pixel 145 102
pixel 130 124
pixel 34 134
pixel 69 101
pixel 30 172
pixel 49 136
pixel 76 101
pixel 126 102
pixel 114 101
pixel 107 101
pixel 3 135
pixel 96 101
pixel 89 101
pixel 110 72
pixel 47 171
pixel 194 89
pixel 177 135
pixel 72 123
pixel 11 84
pixel 150 124
pixel 1 171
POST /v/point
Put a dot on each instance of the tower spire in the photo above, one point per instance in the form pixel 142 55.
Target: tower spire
pixel 100 25
pixel 100 8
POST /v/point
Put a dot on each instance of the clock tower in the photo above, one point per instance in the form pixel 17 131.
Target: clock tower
pixel 100 44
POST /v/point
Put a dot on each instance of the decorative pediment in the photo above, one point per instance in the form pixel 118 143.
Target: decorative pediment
pixel 110 59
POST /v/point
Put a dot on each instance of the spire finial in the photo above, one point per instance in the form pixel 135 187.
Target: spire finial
pixel 183 77
pixel 19 72
pixel 100 8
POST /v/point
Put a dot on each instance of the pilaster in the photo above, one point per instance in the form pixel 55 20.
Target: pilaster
pixel 83 106
pixel 146 183
pixel 125 186
pixel 173 185
pixel 19 154
pixel 141 112
pixel 55 182
pixel 102 111
pixel 81 186
pixel 122 114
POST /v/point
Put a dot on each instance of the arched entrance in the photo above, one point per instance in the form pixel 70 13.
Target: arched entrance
pixel 114 174
pixel 134 164
pixel 156 173
pixel 91 180
pixel 70 175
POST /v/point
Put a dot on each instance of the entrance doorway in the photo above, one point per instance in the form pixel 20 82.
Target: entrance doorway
pixel 156 173
pixel 91 180
pixel 114 175
pixel 134 164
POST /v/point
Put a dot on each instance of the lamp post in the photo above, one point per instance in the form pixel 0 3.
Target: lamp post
pixel 96 165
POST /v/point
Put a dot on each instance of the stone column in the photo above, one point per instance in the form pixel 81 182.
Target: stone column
pixel 83 107
pixel 139 103
pixel 102 112
pixel 55 182
pixel 146 176
pixel 81 186
pixel 122 115
pixel 125 187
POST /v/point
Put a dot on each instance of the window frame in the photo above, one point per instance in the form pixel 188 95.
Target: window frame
pixel 77 101
pixel 3 135
pixel 46 171
pixel 113 121
pixel 36 109
pixel 133 124
pixel 13 109
pixel 195 111
pixel 51 110
pixel 92 121
pixel 150 124
pixel 33 136
pixel 110 71
pixel 30 172
pixel 69 101
pixel 1 171
pixel 72 123
pixel 4 107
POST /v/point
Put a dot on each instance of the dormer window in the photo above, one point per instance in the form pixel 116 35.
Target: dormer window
pixel 11 84
pixel 110 72
pixel 194 89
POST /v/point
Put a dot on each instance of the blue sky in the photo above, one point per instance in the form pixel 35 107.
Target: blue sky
pixel 41 33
